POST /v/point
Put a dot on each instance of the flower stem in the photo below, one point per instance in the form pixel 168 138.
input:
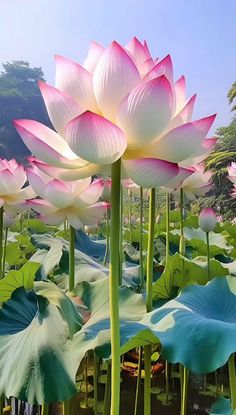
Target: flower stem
pixel 208 257
pixel 182 241
pixel 95 383
pixel 114 288
pixel 130 212
pixel 232 381
pixel 137 392
pixel 121 235
pixel 1 239
pixel 4 252
pixel 184 391
pixel 147 379
pixel 141 240
pixel 107 236
pixel 45 409
pixel 107 396
pixel 167 226
pixel 150 249
pixel 72 259
pixel 66 408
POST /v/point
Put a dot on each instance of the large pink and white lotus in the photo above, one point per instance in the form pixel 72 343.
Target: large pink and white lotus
pixel 121 103
pixel 74 201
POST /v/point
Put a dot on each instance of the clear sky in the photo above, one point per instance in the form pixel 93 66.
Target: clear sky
pixel 200 35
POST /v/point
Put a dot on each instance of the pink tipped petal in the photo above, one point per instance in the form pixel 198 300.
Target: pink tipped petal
pixel 41 206
pixel 36 183
pixel 90 195
pixel 80 185
pixel 74 220
pixel 182 142
pixel 58 194
pixel 92 215
pixel 184 116
pixel 77 82
pixel 56 218
pixel 61 107
pixel 95 139
pixel 138 52
pixel 146 67
pixel 150 172
pixel 163 67
pixel 46 144
pixel 203 190
pixel 180 93
pixel 8 182
pixel 146 111
pixel 209 143
pixel 207 220
pixel 94 54
pixel 177 181
pixel 114 77
pixel 73 174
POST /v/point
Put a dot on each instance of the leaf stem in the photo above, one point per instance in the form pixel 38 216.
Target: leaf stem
pixel 208 257
pixel 182 241
pixel 167 226
pixel 45 409
pixel 1 239
pixel 184 391
pixel 4 252
pixel 141 240
pixel 150 249
pixel 72 259
pixel 107 236
pixel 232 381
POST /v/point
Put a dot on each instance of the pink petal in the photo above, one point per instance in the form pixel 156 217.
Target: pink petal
pixel 182 142
pixel 46 144
pixel 61 107
pixel 184 116
pixel 74 220
pixel 114 77
pixel 73 174
pixel 58 194
pixel 56 218
pixel 77 82
pixel 164 67
pixel 150 172
pixel 95 139
pixel 138 52
pixel 146 66
pixel 36 182
pixel 177 181
pixel 8 183
pixel 92 215
pixel 90 195
pixel 146 111
pixel 94 54
pixel 180 93
pixel 41 206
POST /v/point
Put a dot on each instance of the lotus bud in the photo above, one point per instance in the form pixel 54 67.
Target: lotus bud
pixel 158 219
pixel 207 220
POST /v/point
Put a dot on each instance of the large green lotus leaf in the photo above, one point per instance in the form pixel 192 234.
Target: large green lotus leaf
pixel 24 277
pixel 180 272
pixel 222 407
pixel 86 268
pixel 49 259
pixel 197 239
pixel 34 336
pixel 135 236
pixel 197 329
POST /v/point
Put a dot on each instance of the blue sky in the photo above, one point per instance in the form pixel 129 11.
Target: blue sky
pixel 199 34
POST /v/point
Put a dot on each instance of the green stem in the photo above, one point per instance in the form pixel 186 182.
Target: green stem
pixel 167 381
pixel 121 235
pixel 45 410
pixel 184 391
pixel 114 287
pixel 150 249
pixel 1 239
pixel 86 379
pixel 107 396
pixel 167 226
pixel 2 404
pixel 4 252
pixel 141 240
pixel 137 392
pixel 66 408
pixel 232 381
pixel 208 257
pixel 182 241
pixel 130 212
pixel 107 237
pixel 147 379
pixel 72 259
pixel 95 383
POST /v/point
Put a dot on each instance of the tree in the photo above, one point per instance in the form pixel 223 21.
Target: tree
pixel 19 98
pixel 232 95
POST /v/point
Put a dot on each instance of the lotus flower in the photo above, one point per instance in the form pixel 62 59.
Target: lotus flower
pixel 195 184
pixel 12 191
pixel 207 220
pixel 74 201
pixel 121 103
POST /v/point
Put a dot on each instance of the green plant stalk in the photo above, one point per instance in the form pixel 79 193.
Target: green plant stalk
pixel 45 410
pixel 114 287
pixel 185 391
pixel 182 241
pixel 167 226
pixel 2 404
pixel 107 396
pixel 141 240
pixel 167 382
pixel 4 252
pixel 121 234
pixel 150 253
pixel 208 257
pixel 138 384
pixel 72 259
pixel 107 237
pixel 130 212
pixel 1 239
pixel 95 382
pixel 66 408
pixel 232 381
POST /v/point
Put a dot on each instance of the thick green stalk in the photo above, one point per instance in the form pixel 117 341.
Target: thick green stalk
pixel 137 392
pixel 150 249
pixel 95 383
pixel 1 239
pixel 4 252
pixel 150 253
pixel 45 410
pixel 114 287
pixel 107 396
pixel 66 408
pixel 121 234
pixel 232 381
pixel 141 240
pixel 72 259
pixel 2 404
pixel 167 226
pixel 184 391
pixel 130 212
pixel 167 381
pixel 107 237
pixel 182 241
pixel 208 257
